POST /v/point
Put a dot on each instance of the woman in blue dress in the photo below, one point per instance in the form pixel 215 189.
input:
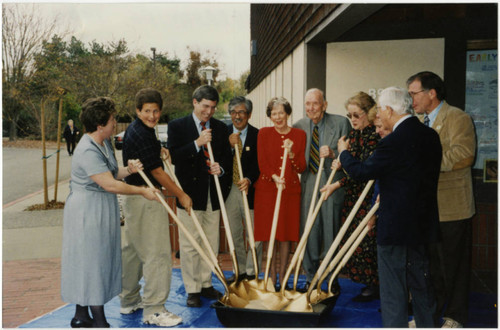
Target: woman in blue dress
pixel 91 257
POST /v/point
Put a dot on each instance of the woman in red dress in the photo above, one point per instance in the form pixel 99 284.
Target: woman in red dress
pixel 270 144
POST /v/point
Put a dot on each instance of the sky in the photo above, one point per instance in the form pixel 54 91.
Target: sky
pixel 221 28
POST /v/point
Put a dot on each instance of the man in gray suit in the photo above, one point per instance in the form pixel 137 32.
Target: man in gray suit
pixel 323 131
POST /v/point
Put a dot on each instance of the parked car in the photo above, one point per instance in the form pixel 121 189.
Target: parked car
pixel 119 140
pixel 161 133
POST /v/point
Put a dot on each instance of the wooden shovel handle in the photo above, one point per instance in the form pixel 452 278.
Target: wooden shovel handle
pixel 248 220
pixel 300 250
pixel 270 247
pixel 186 233
pixel 340 235
pixel 170 171
pixel 358 234
pixel 224 212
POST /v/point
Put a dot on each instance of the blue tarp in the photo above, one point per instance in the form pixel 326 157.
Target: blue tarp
pixel 346 314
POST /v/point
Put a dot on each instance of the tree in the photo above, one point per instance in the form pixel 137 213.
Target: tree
pixel 23 31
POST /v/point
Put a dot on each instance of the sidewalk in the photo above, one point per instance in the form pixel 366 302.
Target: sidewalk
pixel 31 258
pixel 32 242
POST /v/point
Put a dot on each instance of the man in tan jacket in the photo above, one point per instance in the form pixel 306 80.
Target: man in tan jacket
pixel 450 260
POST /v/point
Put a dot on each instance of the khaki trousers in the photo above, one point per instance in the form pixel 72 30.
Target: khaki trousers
pixel 146 252
pixel 236 216
pixel 196 273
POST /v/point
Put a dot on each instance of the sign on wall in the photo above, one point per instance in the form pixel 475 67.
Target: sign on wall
pixel 481 102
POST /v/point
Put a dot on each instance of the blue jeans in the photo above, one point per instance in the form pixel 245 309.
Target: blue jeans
pixel 404 269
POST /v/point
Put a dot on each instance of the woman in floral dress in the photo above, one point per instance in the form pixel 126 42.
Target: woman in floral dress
pixel 363 139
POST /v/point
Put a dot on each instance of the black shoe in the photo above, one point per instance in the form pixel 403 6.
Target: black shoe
pixel 277 287
pixel 107 325
pixel 193 300
pixel 304 288
pixel 76 323
pixel 211 293
pixel 335 289
pixel 241 277
pixel 250 277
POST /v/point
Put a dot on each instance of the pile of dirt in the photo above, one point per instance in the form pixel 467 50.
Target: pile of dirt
pixel 52 205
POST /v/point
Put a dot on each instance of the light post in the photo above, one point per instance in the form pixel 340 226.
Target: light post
pixel 208 73
pixel 153 49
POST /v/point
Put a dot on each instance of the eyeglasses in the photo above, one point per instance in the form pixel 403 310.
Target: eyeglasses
pixel 412 94
pixel 234 113
pixel 355 115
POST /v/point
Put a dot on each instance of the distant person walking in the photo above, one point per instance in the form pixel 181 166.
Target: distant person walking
pixel 70 134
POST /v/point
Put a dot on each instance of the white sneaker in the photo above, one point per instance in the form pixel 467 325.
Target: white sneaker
pixel 131 309
pixel 163 319
pixel 451 323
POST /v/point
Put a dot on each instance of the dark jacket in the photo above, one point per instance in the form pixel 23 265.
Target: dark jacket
pixel 190 165
pixel 68 136
pixel 406 163
pixel 249 162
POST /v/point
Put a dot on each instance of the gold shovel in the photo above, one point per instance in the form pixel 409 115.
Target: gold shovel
pixel 267 299
pixel 228 298
pixel 239 289
pixel 311 209
pixel 345 249
pixel 170 171
pixel 364 226
pixel 256 283
pixel 300 250
pixel 338 238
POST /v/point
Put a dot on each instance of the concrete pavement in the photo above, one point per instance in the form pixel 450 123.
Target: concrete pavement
pixel 32 242
pixel 33 234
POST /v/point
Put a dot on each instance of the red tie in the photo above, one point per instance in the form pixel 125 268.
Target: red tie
pixel 203 147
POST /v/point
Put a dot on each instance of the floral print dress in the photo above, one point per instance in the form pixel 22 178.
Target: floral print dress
pixel 362 266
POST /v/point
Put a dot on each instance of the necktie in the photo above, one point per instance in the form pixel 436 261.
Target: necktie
pixel 236 174
pixel 314 153
pixel 427 121
pixel 205 151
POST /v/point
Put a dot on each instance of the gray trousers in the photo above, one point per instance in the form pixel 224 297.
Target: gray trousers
pixel 326 225
pixel 404 269
pixel 237 222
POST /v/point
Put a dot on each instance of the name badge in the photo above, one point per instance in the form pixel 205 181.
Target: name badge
pixel 247 148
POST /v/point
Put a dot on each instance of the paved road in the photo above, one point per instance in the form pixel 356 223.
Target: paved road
pixel 23 171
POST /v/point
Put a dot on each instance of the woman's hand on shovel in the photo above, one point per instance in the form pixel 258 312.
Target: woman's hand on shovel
pixel 279 181
pixel 336 165
pixel 329 189
pixel 151 194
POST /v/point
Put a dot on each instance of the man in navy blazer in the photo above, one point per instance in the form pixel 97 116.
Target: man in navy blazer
pixel 245 136
pixel 406 163
pixel 187 142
